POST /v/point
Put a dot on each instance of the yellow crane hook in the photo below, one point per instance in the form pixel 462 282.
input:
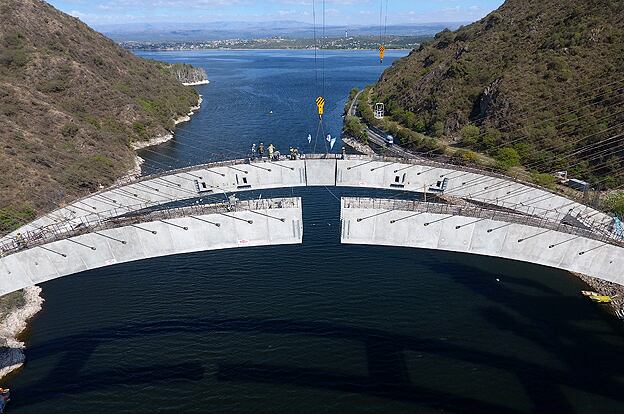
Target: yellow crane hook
pixel 320 103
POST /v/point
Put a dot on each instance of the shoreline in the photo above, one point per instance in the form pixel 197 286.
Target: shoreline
pixel 167 137
pixel 602 287
pixel 267 49
pixel 204 82
pixel 12 356
pixel 358 146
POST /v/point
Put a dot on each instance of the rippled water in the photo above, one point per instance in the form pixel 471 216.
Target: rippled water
pixel 316 328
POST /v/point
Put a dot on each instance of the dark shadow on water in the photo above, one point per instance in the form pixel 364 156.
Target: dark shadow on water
pixel 162 375
pixel 357 384
pixel 388 376
pixel 556 333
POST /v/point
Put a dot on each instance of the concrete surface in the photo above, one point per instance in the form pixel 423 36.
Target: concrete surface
pixel 273 222
pixel 374 223
pixel 236 176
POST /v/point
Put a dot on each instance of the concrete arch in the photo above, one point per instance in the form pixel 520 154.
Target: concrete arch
pixel 163 233
pixel 415 175
pixel 481 232
pixel 460 182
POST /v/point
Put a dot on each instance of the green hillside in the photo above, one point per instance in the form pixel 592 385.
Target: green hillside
pixel 532 81
pixel 71 104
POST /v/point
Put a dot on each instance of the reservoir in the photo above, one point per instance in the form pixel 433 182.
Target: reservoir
pixel 315 328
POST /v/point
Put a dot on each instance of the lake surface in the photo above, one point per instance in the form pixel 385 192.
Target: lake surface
pixel 316 328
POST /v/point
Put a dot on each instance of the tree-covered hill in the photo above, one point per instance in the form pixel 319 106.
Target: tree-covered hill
pixel 71 104
pixel 532 82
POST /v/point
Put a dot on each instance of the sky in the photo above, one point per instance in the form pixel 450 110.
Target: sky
pixel 337 12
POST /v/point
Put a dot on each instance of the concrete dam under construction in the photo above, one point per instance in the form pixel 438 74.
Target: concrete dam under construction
pixel 469 211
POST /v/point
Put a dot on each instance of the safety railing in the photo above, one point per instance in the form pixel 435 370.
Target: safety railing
pixel 91 224
pixel 226 163
pixel 427 162
pixel 555 223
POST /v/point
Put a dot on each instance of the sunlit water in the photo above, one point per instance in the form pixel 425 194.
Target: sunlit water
pixel 316 328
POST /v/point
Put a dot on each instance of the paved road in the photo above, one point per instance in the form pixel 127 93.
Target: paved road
pixel 353 107
pixel 377 137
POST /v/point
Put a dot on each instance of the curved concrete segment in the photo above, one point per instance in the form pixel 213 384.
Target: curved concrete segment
pixel 426 176
pixel 416 175
pixel 162 233
pixel 199 181
pixel 483 232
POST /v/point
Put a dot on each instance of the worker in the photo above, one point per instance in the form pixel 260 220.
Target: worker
pixel 344 153
pixel 253 151
pixel 20 241
pixel 271 150
pixel 261 150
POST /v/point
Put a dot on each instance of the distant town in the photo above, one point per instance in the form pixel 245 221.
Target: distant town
pixel 335 43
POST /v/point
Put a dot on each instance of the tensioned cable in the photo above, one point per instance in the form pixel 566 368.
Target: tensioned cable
pixel 542 122
pixel 582 102
pixel 543 163
pixel 386 23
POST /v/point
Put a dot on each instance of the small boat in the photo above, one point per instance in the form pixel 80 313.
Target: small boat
pixel 5 394
pixel 600 298
pixel 596 297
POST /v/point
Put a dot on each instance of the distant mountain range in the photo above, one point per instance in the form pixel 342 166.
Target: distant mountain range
pixel 194 32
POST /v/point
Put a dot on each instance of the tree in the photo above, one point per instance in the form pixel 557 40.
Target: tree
pixel 490 138
pixel 354 128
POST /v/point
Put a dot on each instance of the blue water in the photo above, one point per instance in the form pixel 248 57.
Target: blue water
pixel 247 86
pixel 316 328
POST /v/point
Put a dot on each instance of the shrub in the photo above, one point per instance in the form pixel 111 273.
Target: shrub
pixel 69 130
pixel 15 58
pixel 9 109
pixel 615 203
pixel 438 129
pixel 88 172
pixel 507 158
pixel 470 135
pixel 543 179
pixel 353 92
pixel 140 129
pixel 465 157
pixel 490 139
pixel 53 86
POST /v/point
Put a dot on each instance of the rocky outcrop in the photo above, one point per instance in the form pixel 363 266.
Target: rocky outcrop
pixel 13 324
pixel 189 75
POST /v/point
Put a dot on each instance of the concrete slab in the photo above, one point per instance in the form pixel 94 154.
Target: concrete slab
pixel 281 224
pixel 514 241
